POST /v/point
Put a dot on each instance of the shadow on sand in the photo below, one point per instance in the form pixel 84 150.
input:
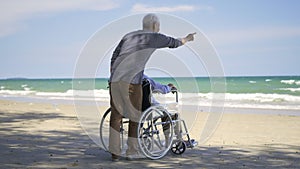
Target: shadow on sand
pixel 20 148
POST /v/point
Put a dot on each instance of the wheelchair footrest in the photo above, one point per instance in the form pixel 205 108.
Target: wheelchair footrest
pixel 190 144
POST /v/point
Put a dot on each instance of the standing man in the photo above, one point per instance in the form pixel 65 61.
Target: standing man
pixel 127 68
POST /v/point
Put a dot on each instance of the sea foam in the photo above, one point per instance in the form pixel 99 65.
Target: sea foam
pixel 291 89
pixel 288 81
pixel 17 92
pixel 233 100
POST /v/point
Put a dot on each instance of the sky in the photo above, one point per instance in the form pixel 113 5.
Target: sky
pixel 43 39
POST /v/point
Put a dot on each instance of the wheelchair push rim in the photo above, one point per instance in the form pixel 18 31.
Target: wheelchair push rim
pixel 155 132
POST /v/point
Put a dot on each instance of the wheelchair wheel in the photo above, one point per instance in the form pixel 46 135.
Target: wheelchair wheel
pixel 155 132
pixel 178 147
pixel 104 131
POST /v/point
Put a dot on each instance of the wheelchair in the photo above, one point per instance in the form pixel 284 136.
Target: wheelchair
pixel 159 131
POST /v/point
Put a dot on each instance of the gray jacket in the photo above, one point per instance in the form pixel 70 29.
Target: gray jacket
pixel 132 53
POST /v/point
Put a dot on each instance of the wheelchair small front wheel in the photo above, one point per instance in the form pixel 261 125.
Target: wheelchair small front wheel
pixel 178 147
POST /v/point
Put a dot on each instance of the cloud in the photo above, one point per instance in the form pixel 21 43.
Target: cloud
pixel 13 13
pixel 179 8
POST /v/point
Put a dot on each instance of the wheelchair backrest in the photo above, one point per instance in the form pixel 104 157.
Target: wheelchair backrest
pixel 146 94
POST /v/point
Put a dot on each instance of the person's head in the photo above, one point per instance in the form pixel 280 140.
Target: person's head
pixel 151 23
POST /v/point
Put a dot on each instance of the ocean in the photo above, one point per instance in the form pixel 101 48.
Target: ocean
pixel 278 93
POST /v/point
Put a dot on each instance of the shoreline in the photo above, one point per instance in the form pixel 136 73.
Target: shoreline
pixel 40 135
pixel 202 108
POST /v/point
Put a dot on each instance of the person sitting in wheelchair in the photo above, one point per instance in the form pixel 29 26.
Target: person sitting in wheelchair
pixel 151 86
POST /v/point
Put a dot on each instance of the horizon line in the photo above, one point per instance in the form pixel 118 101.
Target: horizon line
pixel 47 78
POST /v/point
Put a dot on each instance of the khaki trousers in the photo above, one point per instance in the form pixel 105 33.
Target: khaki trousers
pixel 125 101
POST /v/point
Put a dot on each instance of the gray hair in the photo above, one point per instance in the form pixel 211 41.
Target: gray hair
pixel 149 20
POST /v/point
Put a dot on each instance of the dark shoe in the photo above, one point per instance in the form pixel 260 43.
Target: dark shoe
pixel 115 158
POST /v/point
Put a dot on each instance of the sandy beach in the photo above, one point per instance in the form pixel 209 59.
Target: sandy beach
pixel 40 135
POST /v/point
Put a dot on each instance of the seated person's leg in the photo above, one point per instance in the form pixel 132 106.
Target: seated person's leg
pixel 166 129
pixel 177 127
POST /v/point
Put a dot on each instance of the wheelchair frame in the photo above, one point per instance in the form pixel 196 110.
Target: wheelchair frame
pixel 154 141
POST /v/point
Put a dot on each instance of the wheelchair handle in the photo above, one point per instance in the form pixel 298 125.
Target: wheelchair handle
pixel 175 91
